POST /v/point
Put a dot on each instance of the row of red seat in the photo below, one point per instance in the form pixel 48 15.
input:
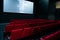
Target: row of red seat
pixel 26 20
pixel 26 32
pixel 20 23
pixel 25 28
pixel 54 36
pixel 30 24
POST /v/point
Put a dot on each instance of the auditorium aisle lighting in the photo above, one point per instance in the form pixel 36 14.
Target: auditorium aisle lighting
pixel 18 6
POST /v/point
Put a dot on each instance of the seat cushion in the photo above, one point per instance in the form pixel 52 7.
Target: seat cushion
pixel 16 34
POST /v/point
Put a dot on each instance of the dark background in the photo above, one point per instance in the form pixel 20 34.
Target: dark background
pixel 42 9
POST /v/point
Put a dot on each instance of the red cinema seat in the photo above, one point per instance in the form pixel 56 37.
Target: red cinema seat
pixel 27 32
pixel 45 29
pixel 23 25
pixel 18 26
pixel 47 22
pixel 16 34
pixel 36 30
pixel 27 20
pixel 42 23
pixel 51 21
pixel 16 21
pixel 49 27
pixel 54 36
pixel 58 21
pixel 8 28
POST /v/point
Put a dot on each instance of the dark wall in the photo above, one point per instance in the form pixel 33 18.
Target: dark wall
pixel 7 17
pixel 41 9
pixel 57 15
pixel 52 9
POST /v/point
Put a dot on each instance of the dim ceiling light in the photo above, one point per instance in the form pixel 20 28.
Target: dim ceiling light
pixel 58 4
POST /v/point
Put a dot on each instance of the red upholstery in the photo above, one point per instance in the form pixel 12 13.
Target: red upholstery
pixel 8 28
pixel 17 26
pixel 48 27
pixel 36 30
pixel 18 34
pixel 27 20
pixel 25 28
pixel 14 26
pixel 27 32
pixel 15 34
pixel 58 21
pixel 54 36
pixel 51 21
pixel 45 28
